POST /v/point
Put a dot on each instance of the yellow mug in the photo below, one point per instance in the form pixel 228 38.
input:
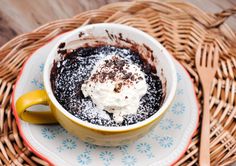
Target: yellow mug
pixel 95 134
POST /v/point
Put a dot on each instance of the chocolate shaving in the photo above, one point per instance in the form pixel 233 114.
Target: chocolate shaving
pixel 81 34
pixel 110 70
pixel 62 45
pixel 118 87
pixel 62 52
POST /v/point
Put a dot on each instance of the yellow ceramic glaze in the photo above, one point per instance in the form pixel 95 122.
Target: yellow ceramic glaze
pixel 85 133
pixel 30 99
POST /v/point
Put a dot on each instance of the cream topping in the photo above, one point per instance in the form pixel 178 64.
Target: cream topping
pixel 116 85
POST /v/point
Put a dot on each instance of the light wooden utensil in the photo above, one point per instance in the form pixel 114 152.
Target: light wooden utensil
pixel 206 60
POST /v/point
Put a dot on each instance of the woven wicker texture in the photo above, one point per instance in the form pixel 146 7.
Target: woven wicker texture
pixel 180 27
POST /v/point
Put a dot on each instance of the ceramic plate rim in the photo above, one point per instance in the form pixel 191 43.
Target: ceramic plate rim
pixel 34 150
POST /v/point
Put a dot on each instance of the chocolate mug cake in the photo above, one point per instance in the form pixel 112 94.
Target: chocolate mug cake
pixel 109 84
pixel 105 84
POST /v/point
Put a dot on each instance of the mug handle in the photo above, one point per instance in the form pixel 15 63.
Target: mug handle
pixel 34 98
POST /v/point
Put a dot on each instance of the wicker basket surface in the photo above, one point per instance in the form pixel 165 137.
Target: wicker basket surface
pixel 180 27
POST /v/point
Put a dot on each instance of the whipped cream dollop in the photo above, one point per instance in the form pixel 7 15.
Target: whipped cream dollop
pixel 116 85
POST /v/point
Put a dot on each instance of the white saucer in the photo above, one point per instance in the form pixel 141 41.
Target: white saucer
pixel 164 145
